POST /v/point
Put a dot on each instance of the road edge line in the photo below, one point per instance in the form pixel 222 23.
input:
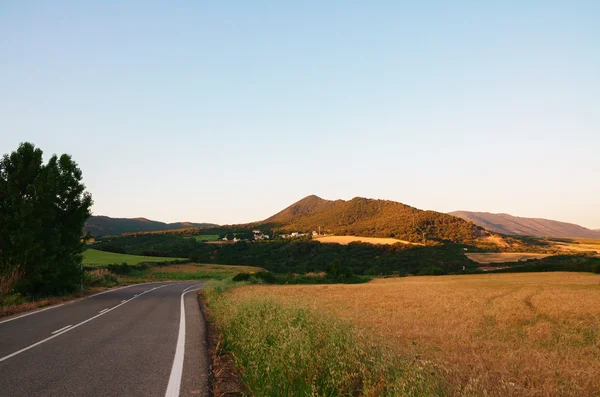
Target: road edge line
pixel 174 385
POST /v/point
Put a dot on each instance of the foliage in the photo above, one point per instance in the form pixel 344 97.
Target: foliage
pixel 100 278
pixel 285 350
pixel 43 208
pixel 302 256
pixel 287 278
pixel 597 268
pixel 556 263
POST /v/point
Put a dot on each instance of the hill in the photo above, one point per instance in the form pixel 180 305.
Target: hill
pixel 99 226
pixel 537 227
pixel 371 218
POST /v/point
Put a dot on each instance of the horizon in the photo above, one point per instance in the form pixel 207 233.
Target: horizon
pixel 230 113
pixel 277 211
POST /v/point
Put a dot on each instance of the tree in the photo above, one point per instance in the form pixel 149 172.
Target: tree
pixel 43 209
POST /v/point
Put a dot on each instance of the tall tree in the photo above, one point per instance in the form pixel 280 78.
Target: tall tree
pixel 43 209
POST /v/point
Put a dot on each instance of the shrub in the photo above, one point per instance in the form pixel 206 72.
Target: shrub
pixel 7 282
pixel 100 278
pixel 597 268
pixel 241 277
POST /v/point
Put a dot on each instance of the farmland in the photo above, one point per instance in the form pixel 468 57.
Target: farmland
pixel 345 240
pixel 493 334
pixel 92 257
pixel 502 257
pixel 206 237
pixel 578 245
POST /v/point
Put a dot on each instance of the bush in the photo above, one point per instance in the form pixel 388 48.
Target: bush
pixel 241 277
pixel 124 269
pixel 12 299
pixel 100 278
pixel 597 268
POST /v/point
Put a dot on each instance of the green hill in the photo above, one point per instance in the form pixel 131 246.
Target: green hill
pixel 371 218
pixel 99 226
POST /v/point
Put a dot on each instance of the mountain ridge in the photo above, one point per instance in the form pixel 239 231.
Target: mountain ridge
pixel 101 225
pixel 523 226
pixel 370 218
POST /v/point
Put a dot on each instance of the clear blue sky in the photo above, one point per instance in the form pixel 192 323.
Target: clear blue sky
pixel 229 111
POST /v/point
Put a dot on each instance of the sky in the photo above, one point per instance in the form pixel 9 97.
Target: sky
pixel 227 112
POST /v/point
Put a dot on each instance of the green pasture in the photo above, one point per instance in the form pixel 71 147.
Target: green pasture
pixel 92 257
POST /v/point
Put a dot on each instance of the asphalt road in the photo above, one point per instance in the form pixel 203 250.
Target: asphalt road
pixel 124 342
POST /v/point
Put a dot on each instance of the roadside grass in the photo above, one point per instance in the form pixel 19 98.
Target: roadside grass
pixel 520 334
pixel 93 257
pixel 17 303
pixel 291 350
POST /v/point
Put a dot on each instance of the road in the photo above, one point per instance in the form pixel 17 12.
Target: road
pixel 124 342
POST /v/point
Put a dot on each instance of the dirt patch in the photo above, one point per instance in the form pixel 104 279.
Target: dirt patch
pixel 225 380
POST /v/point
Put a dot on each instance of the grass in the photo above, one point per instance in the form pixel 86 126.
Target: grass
pixel 190 271
pixel 577 245
pixel 502 257
pixel 207 237
pixel 289 350
pixel 92 257
pixel 345 240
pixel 493 334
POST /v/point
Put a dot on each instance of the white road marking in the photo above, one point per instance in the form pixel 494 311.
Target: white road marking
pixel 55 306
pixel 29 314
pixel 103 310
pixel 112 290
pixel 124 300
pixel 62 329
pixel 69 329
pixel 177 370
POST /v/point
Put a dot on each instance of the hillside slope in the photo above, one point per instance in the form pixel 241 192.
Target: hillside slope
pixel 99 226
pixel 371 218
pixel 514 225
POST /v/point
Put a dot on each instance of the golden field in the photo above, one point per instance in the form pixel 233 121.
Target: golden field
pixel 530 334
pixel 501 257
pixel 345 240
pixel 208 268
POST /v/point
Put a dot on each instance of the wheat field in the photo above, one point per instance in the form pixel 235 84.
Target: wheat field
pixel 345 240
pixel 530 334
pixel 501 257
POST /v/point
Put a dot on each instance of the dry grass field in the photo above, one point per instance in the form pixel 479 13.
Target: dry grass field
pixel 530 334
pixel 501 257
pixel 578 245
pixel 196 267
pixel 345 240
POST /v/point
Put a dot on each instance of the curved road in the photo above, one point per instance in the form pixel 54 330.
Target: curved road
pixel 129 341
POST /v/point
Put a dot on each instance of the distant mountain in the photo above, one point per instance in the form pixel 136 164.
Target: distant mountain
pixel 105 226
pixel 514 225
pixel 371 218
